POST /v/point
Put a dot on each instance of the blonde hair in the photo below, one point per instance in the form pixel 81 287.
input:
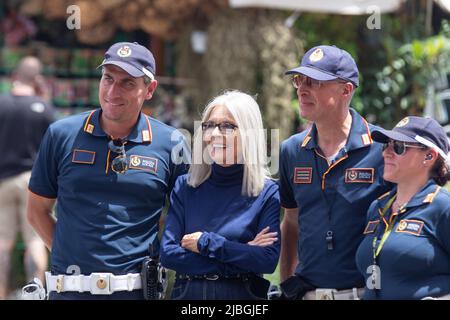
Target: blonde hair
pixel 247 115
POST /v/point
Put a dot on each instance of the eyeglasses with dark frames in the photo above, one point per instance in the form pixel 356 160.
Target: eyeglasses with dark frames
pixel 300 80
pixel 120 162
pixel 225 128
pixel 400 147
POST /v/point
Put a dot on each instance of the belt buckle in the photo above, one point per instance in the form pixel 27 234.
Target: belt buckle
pixel 100 283
pixel 325 294
pixel 60 283
pixel 212 277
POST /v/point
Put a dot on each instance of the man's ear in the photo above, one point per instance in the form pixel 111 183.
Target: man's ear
pixel 151 89
pixel 348 88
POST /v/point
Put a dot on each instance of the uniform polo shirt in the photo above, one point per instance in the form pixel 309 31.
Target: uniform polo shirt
pixel 331 197
pixel 414 261
pixel 105 220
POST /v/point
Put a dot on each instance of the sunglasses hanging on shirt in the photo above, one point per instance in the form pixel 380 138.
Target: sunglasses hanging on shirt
pixel 120 162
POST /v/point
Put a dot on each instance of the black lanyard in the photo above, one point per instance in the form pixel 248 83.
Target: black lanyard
pixel 329 238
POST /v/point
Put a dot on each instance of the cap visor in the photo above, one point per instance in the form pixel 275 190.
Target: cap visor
pixel 384 136
pixel 131 70
pixel 312 73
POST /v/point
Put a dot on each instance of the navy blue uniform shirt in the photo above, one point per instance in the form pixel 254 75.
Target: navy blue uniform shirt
pixel 331 197
pixel 228 221
pixel 105 220
pixel 414 261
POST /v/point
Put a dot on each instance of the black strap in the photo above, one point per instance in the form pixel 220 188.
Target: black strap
pixel 295 287
pixel 212 276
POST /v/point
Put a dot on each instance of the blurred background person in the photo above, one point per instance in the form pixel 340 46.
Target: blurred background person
pixel 25 114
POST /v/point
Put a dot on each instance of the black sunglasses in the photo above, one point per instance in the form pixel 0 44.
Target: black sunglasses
pixel 400 146
pixel 224 127
pixel 119 163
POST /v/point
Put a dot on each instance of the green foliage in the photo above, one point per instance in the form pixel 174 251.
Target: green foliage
pixel 402 84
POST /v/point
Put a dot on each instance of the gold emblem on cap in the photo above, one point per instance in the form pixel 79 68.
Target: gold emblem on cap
pixel 402 122
pixel 317 55
pixel 135 161
pixel 124 51
pixel 402 225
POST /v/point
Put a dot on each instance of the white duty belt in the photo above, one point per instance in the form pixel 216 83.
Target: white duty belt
pixel 333 294
pixel 95 283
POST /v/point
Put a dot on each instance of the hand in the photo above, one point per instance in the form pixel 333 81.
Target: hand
pixel 264 238
pixel 190 241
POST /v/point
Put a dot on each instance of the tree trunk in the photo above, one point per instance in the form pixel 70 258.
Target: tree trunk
pixel 248 50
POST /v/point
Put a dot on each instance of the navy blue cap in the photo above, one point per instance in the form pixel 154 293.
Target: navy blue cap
pixel 133 58
pixel 426 131
pixel 327 63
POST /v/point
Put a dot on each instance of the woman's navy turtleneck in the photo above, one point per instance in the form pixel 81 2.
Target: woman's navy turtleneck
pixel 227 176
pixel 228 221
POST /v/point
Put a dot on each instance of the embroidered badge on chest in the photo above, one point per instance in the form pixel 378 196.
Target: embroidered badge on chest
pixel 302 175
pixel 359 175
pixel 143 163
pixel 371 227
pixel 410 226
pixel 83 156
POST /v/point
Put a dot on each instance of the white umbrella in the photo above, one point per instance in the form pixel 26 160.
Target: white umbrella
pixel 334 6
pixel 444 4
pixel 326 6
